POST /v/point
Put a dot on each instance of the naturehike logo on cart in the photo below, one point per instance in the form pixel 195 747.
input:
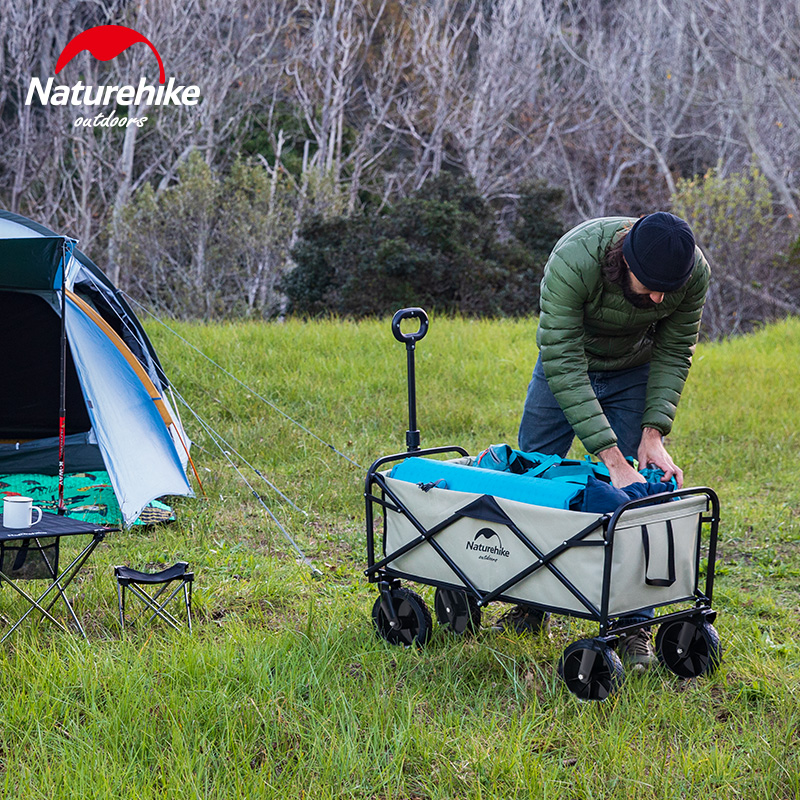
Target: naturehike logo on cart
pixel 487 551
pixel 105 42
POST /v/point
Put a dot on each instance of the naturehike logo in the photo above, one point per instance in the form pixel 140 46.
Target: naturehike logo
pixel 106 42
pixel 488 551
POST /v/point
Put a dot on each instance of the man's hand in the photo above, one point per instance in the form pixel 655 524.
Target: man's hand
pixel 621 472
pixel 652 451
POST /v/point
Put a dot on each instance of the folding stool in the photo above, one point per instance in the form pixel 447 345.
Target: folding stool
pixel 133 579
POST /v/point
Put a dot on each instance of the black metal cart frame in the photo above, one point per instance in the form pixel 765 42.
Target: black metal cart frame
pixel 380 570
pixel 686 641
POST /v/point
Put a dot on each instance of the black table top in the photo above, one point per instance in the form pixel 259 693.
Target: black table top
pixel 52 525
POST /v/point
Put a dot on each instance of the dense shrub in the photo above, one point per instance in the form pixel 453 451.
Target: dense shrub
pixel 735 223
pixel 209 245
pixel 439 249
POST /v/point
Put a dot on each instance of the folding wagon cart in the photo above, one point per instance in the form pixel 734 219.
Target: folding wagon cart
pixel 480 536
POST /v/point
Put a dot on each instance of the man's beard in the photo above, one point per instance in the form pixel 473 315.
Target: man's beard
pixel 634 298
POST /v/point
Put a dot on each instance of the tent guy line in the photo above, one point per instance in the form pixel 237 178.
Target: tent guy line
pixel 217 437
pixel 221 443
pixel 240 382
pixel 227 454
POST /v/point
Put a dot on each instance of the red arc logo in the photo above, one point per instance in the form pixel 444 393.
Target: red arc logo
pixel 105 42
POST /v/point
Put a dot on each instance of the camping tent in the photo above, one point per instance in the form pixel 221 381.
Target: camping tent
pixel 73 350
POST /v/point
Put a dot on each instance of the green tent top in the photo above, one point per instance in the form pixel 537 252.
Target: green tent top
pixel 32 264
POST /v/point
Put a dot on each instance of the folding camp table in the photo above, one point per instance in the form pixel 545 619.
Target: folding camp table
pixel 32 553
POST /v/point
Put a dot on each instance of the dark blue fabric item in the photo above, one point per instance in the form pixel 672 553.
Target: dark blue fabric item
pixel 603 498
pixel 503 458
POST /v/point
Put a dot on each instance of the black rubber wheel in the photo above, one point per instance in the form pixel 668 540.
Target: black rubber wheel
pixel 458 611
pixel 590 669
pixel 413 615
pixel 688 648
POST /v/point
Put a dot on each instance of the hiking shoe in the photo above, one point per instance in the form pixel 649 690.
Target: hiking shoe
pixel 522 619
pixel 636 649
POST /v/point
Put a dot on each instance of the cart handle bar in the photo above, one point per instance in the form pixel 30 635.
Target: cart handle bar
pixel 409 313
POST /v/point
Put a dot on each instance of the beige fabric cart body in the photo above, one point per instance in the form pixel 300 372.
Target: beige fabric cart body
pixel 479 548
pixel 548 557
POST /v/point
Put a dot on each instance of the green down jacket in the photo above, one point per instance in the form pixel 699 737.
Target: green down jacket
pixel 587 324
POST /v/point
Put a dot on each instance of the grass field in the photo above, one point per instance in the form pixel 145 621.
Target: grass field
pixel 285 691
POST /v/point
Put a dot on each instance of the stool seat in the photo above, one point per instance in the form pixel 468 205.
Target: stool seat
pixel 133 579
pixel 165 576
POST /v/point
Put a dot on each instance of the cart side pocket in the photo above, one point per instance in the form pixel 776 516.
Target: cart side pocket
pixel 659 554
pixel 656 555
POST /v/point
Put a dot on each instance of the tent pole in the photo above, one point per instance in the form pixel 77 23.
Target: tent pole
pixel 62 412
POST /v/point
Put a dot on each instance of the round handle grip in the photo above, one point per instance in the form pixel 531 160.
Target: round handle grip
pixel 410 313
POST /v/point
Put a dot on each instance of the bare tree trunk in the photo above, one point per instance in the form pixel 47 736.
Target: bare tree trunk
pixel 752 49
pixel 646 66
pixel 125 166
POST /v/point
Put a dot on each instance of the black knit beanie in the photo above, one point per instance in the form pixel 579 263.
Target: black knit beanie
pixel 659 249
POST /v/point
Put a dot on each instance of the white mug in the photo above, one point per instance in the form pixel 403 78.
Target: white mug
pixel 17 512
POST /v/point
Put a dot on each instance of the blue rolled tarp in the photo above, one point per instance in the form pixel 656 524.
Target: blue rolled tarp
pixel 462 478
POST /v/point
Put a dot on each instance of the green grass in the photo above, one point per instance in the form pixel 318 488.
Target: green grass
pixel 285 691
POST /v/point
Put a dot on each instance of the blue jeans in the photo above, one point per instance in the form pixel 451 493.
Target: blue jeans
pixel 621 393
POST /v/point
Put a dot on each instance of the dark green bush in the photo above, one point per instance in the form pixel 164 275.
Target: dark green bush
pixel 438 249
